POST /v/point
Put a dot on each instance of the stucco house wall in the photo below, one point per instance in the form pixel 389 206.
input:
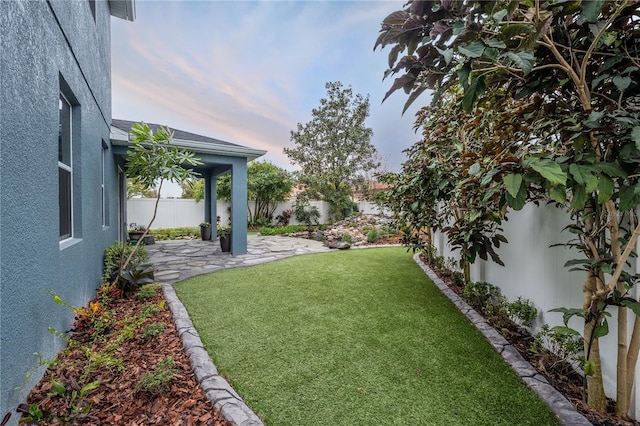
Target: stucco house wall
pixel 48 48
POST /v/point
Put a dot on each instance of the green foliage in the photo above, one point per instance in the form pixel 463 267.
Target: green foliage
pixel 152 330
pixel 267 185
pixel 334 148
pixel 175 233
pixel 77 403
pixel 147 291
pixel 193 188
pixel 158 380
pixel 306 213
pixel 223 231
pixel 280 230
pixel 481 295
pixel 347 238
pixel 541 101
pixel 523 311
pixel 135 189
pixel 568 346
pixel 373 236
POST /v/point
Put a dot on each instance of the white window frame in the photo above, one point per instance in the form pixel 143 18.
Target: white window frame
pixel 68 168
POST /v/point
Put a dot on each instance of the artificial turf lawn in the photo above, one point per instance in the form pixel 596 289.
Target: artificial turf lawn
pixel 359 337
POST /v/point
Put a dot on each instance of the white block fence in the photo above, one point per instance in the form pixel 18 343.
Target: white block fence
pixel 178 212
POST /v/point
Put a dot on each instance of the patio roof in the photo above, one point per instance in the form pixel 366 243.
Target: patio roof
pixel 120 136
pixel 123 9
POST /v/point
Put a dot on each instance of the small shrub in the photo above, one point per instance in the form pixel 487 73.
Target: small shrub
pixel 158 380
pixel 285 217
pixel 457 278
pixel 278 230
pixel 373 236
pixel 153 330
pixel 481 295
pixel 138 269
pixel 523 311
pixel 147 291
pixel 567 345
pixel 347 238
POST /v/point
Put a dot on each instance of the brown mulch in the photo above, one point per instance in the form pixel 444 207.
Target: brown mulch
pixel 116 401
pixel 559 373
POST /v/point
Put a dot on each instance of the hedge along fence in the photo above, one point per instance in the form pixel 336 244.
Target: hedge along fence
pixel 536 271
pixel 179 212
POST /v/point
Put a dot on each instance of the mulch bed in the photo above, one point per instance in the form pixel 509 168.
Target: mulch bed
pixel 559 373
pixel 117 400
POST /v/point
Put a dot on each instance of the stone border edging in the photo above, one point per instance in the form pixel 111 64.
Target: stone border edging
pixel 216 388
pixel 558 403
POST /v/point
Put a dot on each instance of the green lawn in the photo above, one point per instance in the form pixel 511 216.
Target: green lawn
pixel 359 337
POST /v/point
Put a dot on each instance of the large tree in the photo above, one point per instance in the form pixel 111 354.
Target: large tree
pixel 570 71
pixel 334 148
pixel 267 185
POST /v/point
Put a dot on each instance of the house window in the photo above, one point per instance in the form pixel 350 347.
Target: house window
pixel 65 170
pixel 105 220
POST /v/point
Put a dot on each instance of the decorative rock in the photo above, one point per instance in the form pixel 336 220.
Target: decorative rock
pixel 340 245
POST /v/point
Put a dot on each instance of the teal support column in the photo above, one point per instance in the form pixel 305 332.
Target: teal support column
pixel 208 214
pixel 239 207
pixel 213 205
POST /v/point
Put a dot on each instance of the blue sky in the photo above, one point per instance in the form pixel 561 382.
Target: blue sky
pixel 247 72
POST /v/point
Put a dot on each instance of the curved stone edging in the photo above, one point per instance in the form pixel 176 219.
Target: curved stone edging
pixel 558 403
pixel 216 388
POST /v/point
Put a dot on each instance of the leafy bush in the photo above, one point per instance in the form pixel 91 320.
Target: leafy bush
pixel 137 271
pixel 285 217
pixel 147 291
pixel 523 311
pixel 373 236
pixel 565 343
pixel 174 233
pixel 306 213
pixel 279 230
pixel 347 238
pixel 481 295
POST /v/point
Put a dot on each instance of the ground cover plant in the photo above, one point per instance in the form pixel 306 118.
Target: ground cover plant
pixel 124 364
pixel 356 337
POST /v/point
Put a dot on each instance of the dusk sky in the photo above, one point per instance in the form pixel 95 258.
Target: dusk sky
pixel 247 72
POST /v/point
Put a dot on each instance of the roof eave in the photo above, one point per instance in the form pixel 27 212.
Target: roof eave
pixel 121 138
pixel 123 9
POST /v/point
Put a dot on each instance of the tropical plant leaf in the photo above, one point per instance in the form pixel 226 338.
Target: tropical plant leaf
pixel 550 170
pixel 605 189
pixel 476 88
pixel 591 9
pixel 512 182
pixel 472 50
pixel 632 304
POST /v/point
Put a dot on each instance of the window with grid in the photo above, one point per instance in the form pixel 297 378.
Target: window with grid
pixel 65 170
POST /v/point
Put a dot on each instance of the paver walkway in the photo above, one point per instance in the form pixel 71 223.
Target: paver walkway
pixel 176 260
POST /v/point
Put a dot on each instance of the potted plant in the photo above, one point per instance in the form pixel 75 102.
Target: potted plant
pixel 136 231
pixel 224 233
pixel 205 231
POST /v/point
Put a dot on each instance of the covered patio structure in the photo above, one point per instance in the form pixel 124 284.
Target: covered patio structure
pixel 219 157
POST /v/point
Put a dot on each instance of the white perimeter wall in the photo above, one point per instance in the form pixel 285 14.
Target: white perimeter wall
pixel 536 271
pixel 178 212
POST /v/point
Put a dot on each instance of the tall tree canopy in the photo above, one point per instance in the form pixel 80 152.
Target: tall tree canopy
pixel 267 185
pixel 552 95
pixel 334 147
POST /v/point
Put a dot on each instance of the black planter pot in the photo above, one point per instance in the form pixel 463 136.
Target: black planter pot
pixel 205 233
pixel 225 243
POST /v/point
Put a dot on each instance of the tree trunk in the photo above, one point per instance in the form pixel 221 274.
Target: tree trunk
pixel 596 398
